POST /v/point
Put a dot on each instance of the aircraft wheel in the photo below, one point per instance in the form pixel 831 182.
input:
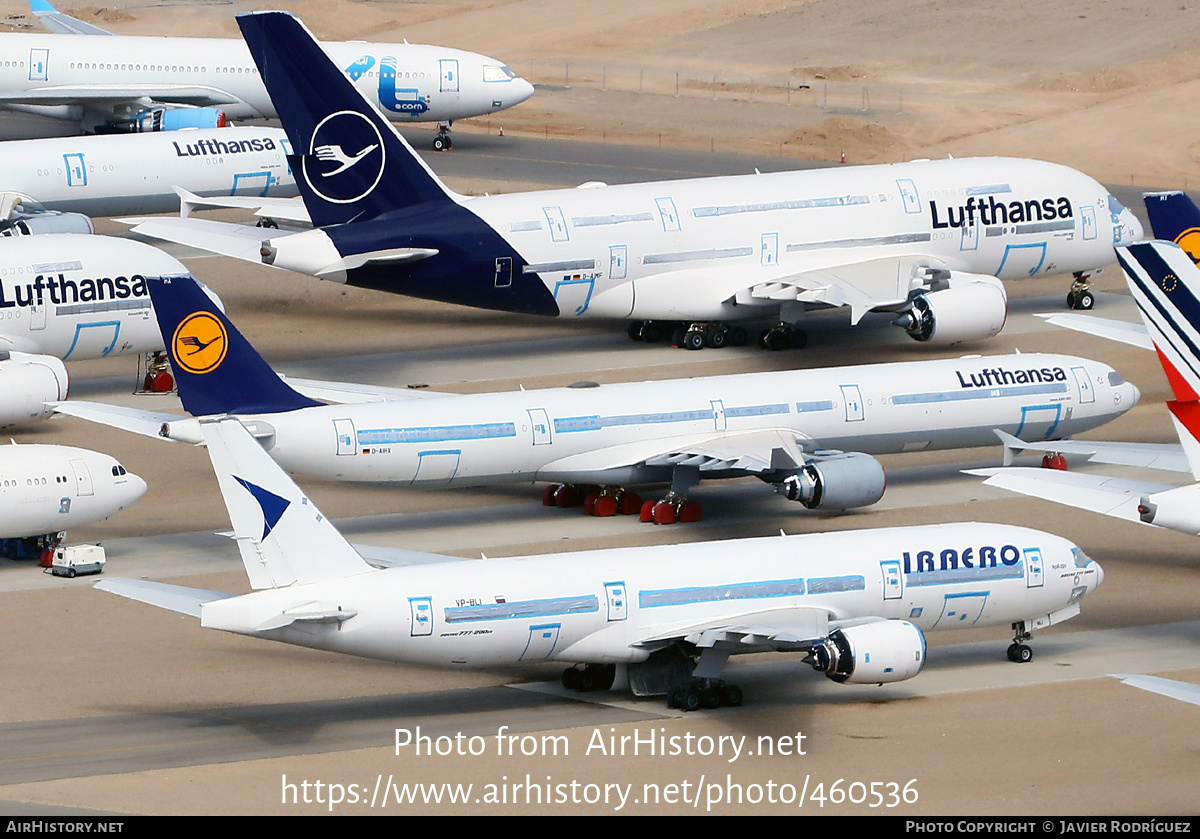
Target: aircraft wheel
pixel 731 696
pixel 606 674
pixel 689 511
pixel 1086 300
pixel 570 678
pixel 635 330
pixel 663 513
pixel 548 495
pixel 693 339
pixel 678 335
pixel 589 504
pixel 441 143
pixel 775 340
pixel 604 506
pixel 715 337
pixel 738 336
pixel 647 513
pixel 689 700
pixel 710 698
pixel 652 332
pixel 631 503
pixel 1020 653
pixel 798 339
pixel 587 680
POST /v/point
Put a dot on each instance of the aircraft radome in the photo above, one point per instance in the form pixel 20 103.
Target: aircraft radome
pixel 928 241
pixel 139 83
pixel 1165 283
pixel 811 433
pixel 46 181
pixel 47 489
pixel 659 619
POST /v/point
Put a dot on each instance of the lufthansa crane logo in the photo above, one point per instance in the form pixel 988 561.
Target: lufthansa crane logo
pixel 200 343
pixel 1189 240
pixel 345 159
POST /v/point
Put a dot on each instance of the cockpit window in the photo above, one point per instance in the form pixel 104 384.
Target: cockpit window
pixel 1114 206
pixel 118 470
pixel 492 73
pixel 1082 560
pixel 1115 379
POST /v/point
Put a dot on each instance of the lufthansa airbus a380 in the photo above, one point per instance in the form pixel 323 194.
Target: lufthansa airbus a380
pixel 809 432
pixel 928 241
pixel 138 83
pixel 656 620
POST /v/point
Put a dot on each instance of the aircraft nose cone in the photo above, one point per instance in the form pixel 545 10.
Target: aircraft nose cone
pixel 523 91
pixel 135 488
pixel 1099 575
pixel 1134 230
pixel 1134 394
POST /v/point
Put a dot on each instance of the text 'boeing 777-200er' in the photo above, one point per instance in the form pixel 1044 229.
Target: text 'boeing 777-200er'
pixel 811 433
pixel 659 619
pixel 928 241
pixel 142 83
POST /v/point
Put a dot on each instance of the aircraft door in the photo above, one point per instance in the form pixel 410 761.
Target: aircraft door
pixel 539 422
pixel 1088 216
pixel 557 224
pixel 618 257
pixel 970 237
pixel 39 65
pixel 768 251
pixel 893 580
pixel 83 478
pixel 347 440
pixel 1086 392
pixel 718 415
pixel 909 195
pixel 668 214
pixel 503 271
pixel 542 640
pixel 422 616
pixel 437 467
pixel 449 67
pixel 76 169
pixel 37 316
pixel 1038 421
pixel 961 609
pixel 1034 572
pixel 1022 260
pixel 615 593
pixel 854 403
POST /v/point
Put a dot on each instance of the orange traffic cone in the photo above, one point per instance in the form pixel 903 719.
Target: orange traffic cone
pixel 502 131
pixel 843 157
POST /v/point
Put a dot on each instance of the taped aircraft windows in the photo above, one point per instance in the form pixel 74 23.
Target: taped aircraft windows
pixel 1115 379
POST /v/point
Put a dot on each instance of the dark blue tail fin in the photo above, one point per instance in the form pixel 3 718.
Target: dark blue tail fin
pixel 217 370
pixel 350 163
pixel 1175 218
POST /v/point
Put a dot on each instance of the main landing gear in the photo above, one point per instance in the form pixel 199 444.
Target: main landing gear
pixel 1080 296
pixel 696 335
pixel 611 501
pixel 592 677
pixel 442 141
pixel 1019 652
pixel 704 693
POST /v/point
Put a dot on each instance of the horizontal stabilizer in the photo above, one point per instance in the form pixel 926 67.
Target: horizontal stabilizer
pixel 381 557
pixel 1133 334
pixel 239 241
pixel 146 423
pixel 280 209
pixel 62 24
pixel 1109 496
pixel 186 601
pixel 1166 456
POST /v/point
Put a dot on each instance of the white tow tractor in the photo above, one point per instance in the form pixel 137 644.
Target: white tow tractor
pixel 72 560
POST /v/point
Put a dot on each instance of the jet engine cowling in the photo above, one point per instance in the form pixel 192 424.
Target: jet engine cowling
pixel 837 482
pixel 174 119
pixel 1175 509
pixel 48 222
pixel 872 653
pixel 965 310
pixel 27 383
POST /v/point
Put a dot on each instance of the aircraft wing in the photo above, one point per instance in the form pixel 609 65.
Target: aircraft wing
pixel 1166 456
pixel 112 96
pixel 62 24
pixel 1134 334
pixel 1183 691
pixel 797 628
pixel 753 452
pixel 343 393
pixel 1109 496
pixel 180 599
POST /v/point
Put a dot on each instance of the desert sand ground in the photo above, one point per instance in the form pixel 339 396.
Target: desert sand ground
pixel 1090 84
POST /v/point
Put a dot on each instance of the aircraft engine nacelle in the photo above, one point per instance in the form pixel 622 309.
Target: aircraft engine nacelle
pixel 48 222
pixel 1176 509
pixel 966 310
pixel 175 119
pixel 27 382
pixel 872 653
pixel 838 482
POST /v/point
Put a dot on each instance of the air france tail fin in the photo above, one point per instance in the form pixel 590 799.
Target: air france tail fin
pixel 1175 218
pixel 216 369
pixel 283 538
pixel 350 163
pixel 1165 283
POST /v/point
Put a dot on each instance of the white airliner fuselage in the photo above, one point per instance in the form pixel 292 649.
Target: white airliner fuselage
pixel 78 297
pixel 45 489
pixel 67 76
pixel 137 173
